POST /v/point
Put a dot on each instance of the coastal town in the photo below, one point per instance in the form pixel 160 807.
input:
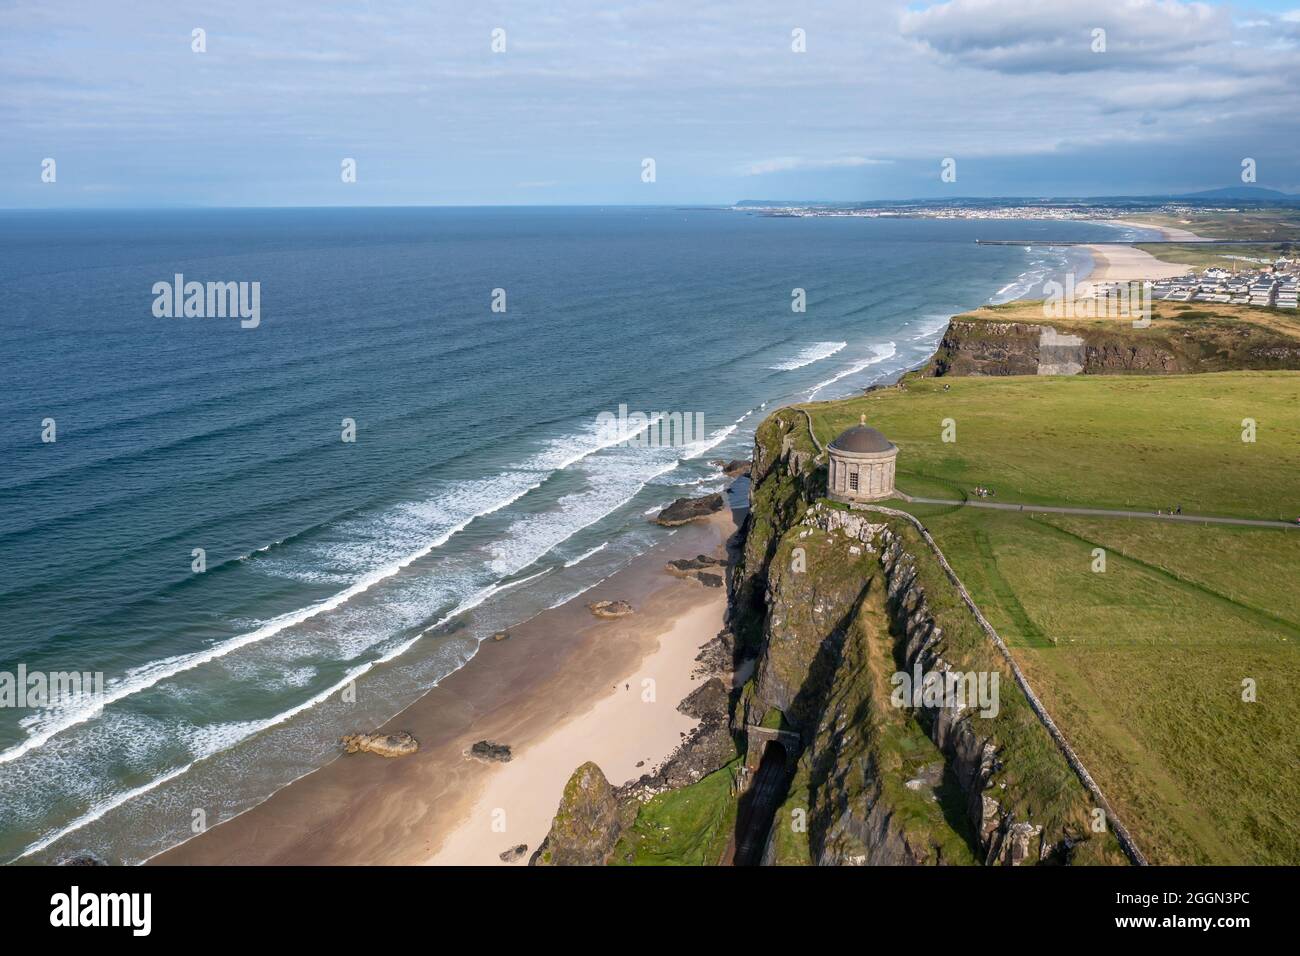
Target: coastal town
pixel 1082 211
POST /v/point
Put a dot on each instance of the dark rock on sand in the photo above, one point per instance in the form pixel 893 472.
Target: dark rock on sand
pixel 83 859
pixel 710 698
pixel 514 854
pixel 684 510
pixel 695 568
pixel 718 656
pixel 593 814
pixel 385 745
pixel 490 752
pixel 734 468
pixel 686 567
pixel 701 752
pixel 610 608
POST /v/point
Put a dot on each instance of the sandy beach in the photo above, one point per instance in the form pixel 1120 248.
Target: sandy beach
pixel 565 687
pixel 1127 264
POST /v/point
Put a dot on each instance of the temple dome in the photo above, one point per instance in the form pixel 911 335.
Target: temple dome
pixel 862 440
pixel 861 465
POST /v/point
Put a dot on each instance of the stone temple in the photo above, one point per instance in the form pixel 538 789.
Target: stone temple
pixel 861 465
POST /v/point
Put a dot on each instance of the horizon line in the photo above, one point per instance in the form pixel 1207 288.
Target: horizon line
pixel 1286 198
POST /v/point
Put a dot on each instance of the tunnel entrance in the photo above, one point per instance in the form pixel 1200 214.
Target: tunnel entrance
pixel 759 804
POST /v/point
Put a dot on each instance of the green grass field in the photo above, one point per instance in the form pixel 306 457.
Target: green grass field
pixel 1121 442
pixel 1207 255
pixel 1273 227
pixel 1141 664
pixel 687 827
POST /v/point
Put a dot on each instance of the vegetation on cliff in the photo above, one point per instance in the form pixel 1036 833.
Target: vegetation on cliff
pixel 871 784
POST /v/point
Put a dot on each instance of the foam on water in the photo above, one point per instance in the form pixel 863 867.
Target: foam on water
pixel 812 353
pixel 879 353
pixel 43 726
pixel 586 554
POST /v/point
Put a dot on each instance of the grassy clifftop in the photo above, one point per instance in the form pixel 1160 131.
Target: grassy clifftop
pixel 1125 442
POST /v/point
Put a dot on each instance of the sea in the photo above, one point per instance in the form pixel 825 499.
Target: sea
pixel 254 537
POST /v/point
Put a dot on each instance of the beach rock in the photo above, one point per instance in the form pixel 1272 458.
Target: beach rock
pixel 709 699
pixel 684 510
pixel 490 752
pixel 709 580
pixel 706 749
pixel 514 854
pixel 610 609
pixel 735 468
pixel 385 745
pixel 83 859
pixel 586 826
pixel 687 567
pixel 501 636
pixel 718 655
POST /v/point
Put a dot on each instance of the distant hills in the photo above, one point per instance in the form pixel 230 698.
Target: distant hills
pixel 1239 192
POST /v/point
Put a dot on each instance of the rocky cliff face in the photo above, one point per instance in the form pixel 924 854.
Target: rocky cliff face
pixel 847 602
pixel 1015 348
pixel 830 605
pixel 989 347
pixel 587 824
pixel 1004 834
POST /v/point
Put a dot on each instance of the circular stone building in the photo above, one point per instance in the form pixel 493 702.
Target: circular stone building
pixel 861 465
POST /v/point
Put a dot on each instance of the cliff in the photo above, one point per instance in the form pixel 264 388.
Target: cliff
pixel 1018 339
pixel 829 607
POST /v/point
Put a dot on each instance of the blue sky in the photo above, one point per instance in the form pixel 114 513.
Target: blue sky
pixel 713 92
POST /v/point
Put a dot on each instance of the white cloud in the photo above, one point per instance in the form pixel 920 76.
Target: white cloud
pixel 783 164
pixel 1056 36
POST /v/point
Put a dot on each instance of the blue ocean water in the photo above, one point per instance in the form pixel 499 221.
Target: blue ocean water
pixel 477 490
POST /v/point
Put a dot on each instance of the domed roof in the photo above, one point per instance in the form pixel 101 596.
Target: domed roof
pixel 862 440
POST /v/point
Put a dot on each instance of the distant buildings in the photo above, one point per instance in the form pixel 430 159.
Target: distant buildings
pixel 1270 286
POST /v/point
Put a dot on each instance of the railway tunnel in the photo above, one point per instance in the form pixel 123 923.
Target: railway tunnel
pixel 771 759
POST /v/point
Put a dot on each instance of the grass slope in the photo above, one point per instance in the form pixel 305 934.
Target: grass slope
pixel 686 827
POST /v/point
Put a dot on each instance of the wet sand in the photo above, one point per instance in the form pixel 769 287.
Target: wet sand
pixel 564 688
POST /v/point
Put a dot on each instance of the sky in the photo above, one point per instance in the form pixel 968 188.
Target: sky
pixel 1017 94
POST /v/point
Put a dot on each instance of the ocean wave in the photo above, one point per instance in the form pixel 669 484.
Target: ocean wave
pixel 42 727
pixel 880 353
pixel 615 477
pixel 586 554
pixel 806 356
pixel 931 326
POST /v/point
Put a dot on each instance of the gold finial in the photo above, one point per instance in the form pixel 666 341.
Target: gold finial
pixel 862 419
